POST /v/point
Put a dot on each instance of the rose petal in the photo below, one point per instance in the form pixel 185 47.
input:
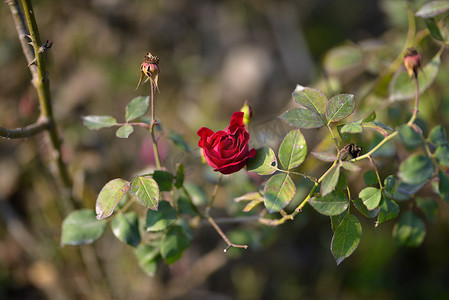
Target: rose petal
pixel 203 133
pixel 236 121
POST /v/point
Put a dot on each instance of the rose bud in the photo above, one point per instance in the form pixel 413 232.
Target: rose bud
pixel 412 62
pixel 247 113
pixel 226 151
pixel 149 68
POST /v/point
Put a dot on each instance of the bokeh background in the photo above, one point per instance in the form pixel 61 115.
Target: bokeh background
pixel 214 55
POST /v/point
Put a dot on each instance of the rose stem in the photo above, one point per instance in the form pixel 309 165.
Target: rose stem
pixel 154 122
pixel 415 109
pixel 214 224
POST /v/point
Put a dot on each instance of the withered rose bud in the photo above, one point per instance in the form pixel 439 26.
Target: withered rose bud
pixel 412 62
pixel 353 150
pixel 149 69
pixel 247 113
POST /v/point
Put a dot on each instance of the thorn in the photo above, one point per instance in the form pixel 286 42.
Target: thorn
pixel 32 62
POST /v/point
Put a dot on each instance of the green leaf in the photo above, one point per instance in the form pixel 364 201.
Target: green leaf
pixel 124 131
pixel 179 141
pixel 81 227
pixel 293 150
pixel 252 204
pixel 174 243
pixel 433 9
pixel 251 196
pixel 416 169
pixel 312 99
pixel 330 205
pixel 371 197
pixel 325 156
pixel 389 186
pixel 389 210
pixel 370 178
pixel 434 30
pixel 351 128
pixel 279 191
pixel 196 192
pixel 379 127
pixel 110 196
pixel 342 183
pixel 429 207
pixel 403 88
pixel 350 166
pixel 148 257
pixel 442 155
pixel 358 203
pixel 146 191
pixel 409 137
pixel 179 177
pixel 137 108
pixel 369 118
pixel 443 186
pixel 126 228
pixel 386 149
pixel 339 107
pixel 336 220
pixel 330 181
pixel 341 59
pixel 254 198
pixel 161 219
pixel 410 230
pixel 346 238
pixel 164 180
pixel 438 136
pixel 344 135
pixel 186 207
pixel 404 191
pixel 302 118
pixel 264 163
pixel 98 122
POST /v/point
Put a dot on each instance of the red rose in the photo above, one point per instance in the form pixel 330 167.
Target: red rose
pixel 226 150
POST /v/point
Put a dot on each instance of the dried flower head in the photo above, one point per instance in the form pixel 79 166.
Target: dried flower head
pixel 412 62
pixel 149 68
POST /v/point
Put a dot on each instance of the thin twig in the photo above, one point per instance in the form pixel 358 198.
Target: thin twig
pixel 223 236
pixel 375 170
pixel 42 85
pixel 214 194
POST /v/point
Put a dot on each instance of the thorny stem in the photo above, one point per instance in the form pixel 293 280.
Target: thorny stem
pixel 41 82
pixel 153 123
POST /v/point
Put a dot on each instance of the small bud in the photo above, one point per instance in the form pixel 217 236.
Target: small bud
pixel 412 62
pixel 247 113
pixel 149 68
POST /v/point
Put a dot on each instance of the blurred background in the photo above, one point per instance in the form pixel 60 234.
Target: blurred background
pixel 214 55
